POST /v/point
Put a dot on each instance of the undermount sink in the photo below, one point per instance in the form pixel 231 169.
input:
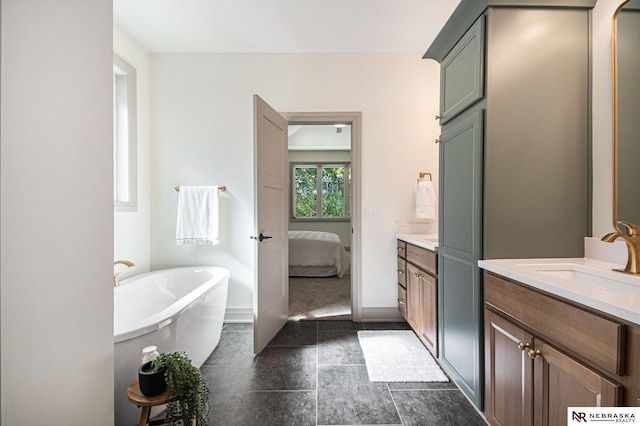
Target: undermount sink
pixel 602 279
pixel 428 240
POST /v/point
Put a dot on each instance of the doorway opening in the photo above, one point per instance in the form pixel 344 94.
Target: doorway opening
pixel 324 208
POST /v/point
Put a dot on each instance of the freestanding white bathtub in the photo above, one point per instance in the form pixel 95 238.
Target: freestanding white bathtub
pixel 179 309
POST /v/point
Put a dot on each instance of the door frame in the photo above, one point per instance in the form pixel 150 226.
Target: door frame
pixel 355 120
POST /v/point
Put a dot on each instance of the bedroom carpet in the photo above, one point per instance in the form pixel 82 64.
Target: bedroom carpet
pixel 398 356
pixel 320 298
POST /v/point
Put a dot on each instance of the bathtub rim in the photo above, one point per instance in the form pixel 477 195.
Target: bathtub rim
pixel 167 316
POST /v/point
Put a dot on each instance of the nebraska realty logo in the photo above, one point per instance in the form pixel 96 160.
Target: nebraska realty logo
pixel 602 415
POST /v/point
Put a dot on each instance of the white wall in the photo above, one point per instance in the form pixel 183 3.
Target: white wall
pixel 202 121
pixel 131 229
pixel 56 213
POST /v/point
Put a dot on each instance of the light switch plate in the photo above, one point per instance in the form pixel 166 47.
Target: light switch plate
pixel 373 214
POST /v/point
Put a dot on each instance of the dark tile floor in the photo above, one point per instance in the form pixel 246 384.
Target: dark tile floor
pixel 314 373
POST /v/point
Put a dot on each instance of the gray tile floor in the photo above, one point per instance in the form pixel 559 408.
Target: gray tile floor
pixel 314 373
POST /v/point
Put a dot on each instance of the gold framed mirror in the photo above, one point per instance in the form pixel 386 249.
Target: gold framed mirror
pixel 626 120
pixel 625 42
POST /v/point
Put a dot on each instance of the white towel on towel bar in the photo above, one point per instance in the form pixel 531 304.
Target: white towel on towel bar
pixel 426 201
pixel 197 215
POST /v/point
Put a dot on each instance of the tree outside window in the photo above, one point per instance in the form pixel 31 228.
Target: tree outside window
pixel 321 191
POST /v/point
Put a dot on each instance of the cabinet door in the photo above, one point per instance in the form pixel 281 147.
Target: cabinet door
pixel 429 329
pixel 460 304
pixel 414 298
pixel 561 382
pixel 462 73
pixel 508 373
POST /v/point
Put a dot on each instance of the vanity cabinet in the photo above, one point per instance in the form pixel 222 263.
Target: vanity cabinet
pixel 544 354
pixel 421 293
pixel 513 154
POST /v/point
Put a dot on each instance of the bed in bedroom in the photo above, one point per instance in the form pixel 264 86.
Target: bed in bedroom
pixel 316 254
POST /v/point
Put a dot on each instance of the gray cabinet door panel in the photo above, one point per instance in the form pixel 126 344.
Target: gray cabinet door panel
pixel 461 160
pixel 459 286
pixel 462 73
pixel 461 323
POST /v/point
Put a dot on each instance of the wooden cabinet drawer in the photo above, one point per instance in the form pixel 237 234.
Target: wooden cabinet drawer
pixel 402 249
pixel 590 337
pixel 402 301
pixel 425 259
pixel 402 272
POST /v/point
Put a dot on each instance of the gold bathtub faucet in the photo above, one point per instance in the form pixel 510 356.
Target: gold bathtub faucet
pixel 115 276
pixel 632 238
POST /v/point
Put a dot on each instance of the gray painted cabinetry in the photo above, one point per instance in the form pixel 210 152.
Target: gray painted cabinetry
pixel 514 154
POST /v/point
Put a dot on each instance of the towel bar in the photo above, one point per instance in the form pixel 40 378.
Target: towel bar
pixel 423 174
pixel 220 188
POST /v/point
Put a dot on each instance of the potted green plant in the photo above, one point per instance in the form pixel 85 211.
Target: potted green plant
pixel 186 382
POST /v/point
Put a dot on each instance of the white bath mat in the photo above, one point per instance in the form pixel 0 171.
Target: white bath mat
pixel 398 356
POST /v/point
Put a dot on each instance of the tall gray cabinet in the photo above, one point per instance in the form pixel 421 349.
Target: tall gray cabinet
pixel 514 154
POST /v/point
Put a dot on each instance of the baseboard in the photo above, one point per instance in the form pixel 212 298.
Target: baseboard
pixel 239 315
pixel 381 315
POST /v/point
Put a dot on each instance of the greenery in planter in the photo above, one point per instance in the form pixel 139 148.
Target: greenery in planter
pixel 187 384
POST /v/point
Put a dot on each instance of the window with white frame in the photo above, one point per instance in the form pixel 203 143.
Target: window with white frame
pixel 124 136
pixel 321 191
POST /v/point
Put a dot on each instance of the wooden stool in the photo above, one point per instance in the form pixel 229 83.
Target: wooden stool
pixel 146 402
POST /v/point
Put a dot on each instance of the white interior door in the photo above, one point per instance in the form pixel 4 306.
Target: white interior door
pixel 271 292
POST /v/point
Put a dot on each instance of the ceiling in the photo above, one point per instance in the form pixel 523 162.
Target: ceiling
pixel 283 26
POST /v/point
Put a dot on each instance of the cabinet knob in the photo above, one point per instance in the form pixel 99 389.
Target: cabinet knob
pixel 438 117
pixel 417 275
pixel 400 271
pixel 401 301
pixel 400 249
pixel 534 354
pixel 438 140
pixel 522 346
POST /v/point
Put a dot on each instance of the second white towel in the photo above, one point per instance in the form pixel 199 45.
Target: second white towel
pixel 426 201
pixel 197 215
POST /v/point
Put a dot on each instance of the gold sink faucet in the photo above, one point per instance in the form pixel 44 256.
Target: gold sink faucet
pixel 115 276
pixel 632 238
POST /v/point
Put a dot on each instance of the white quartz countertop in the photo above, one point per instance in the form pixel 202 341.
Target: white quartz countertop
pixel 427 241
pixel 586 281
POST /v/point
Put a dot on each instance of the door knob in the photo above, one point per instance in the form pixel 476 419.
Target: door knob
pixel 263 237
